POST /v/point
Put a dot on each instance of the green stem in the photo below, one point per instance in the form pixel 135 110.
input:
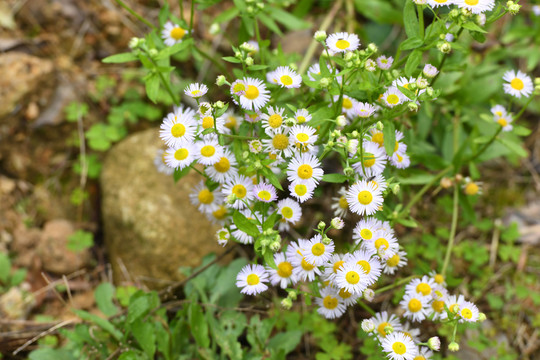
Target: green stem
pixel 524 108
pixel 240 137
pixel 396 284
pixel 258 34
pixel 197 170
pixel 191 16
pixel 365 307
pixel 132 12
pixel 214 61
pixel 181 6
pixel 452 230
pixel 486 145
pixel 424 189
pixel 168 87
pixel 420 9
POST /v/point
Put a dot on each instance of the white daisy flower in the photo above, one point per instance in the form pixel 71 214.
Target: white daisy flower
pixel 296 249
pixel 518 84
pixel 303 137
pixel 196 90
pixel 223 236
pixel 238 87
pixel 283 275
pixel 224 169
pixel 348 298
pixel 364 198
pixel 180 156
pixel 370 65
pixel 265 192
pixel 273 120
pixel 375 135
pixel 416 306
pixel 438 278
pixel 177 130
pixel 393 97
pixel 332 265
pixel 385 244
pixel 279 142
pixel 301 191
pixel 400 160
pixel 536 10
pixel 423 353
pixel 453 303
pixel 290 210
pixel 394 262
pixel 471 187
pixel 340 204
pixel 207 201
pixel 364 110
pixel 252 279
pixel 435 3
pixel 382 321
pixel 429 70
pixel 305 169
pixel 173 34
pixel 398 346
pixel 218 216
pixel 241 236
pixel 208 150
pixel 342 42
pixel 365 230
pixel 317 252
pixel 242 188
pixel 410 332
pixel 476 6
pixel 348 106
pixel 384 62
pixel 304 270
pixel 499 111
pixel 436 307
pixel 379 181
pixel 351 277
pixel 208 121
pixel 468 312
pixel 255 95
pixel 330 304
pixel 406 83
pixel 371 265
pixel 286 77
pixel 230 120
pixel 302 116
pixel 421 287
pixel 205 108
pixel 372 162
pixel 161 164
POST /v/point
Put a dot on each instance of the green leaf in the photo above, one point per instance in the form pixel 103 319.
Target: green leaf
pixel 80 240
pixel 102 323
pixel 410 20
pixel 334 178
pixel 389 136
pixel 269 259
pixel 411 43
pixel 416 179
pixel 231 59
pixel 198 325
pixel 413 61
pixel 5 268
pixel 270 176
pixel 285 341
pixel 270 24
pixel 257 67
pixel 408 222
pixel 514 147
pixel 178 174
pixel 408 93
pixel 290 21
pixel 244 224
pixel 473 27
pixel 175 49
pixel 146 337
pixel 104 295
pixel 152 86
pixel 271 221
pixel 120 58
pixel 141 305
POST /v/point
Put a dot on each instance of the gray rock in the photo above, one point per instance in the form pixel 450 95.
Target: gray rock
pixel 151 228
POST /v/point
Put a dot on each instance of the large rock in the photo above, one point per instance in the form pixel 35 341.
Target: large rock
pixel 150 225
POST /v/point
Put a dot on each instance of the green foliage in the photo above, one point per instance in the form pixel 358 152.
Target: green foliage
pixel 80 240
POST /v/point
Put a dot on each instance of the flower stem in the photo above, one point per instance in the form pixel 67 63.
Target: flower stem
pixel 240 137
pixel 132 12
pixel 452 230
pixel 191 15
pixel 258 34
pixel 366 307
pixel 524 108
pixel 420 9
pixel 396 284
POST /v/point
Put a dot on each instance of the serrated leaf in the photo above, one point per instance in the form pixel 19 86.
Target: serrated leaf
pixel 244 224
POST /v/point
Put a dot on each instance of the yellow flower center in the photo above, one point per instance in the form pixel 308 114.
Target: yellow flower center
pixel 177 33
pixel 301 119
pixel 305 171
pixel 231 122
pixel 466 313
pixel 471 2
pixel 287 212
pixel 337 265
pixel 284 269
pixel 300 189
pixel 452 308
pixel 302 137
pixel 275 121
pixel 280 141
pixel 366 234
pixel 178 130
pixel 347 103
pixel 352 277
pixel 306 266
pixel 415 305
pixel 393 261
pixel 344 294
pixel 378 138
pixel 253 279
pixel 399 348
pixel 342 44
pixel 439 279
pixel 286 80
pixel 365 265
pixel 365 197
pixel 381 242
pixel 181 154
pixel 502 122
pixel 206 196
pixel 208 151
pixel 396 147
pixel 223 165
pixel 330 302
pixel 239 190
pixel 220 213
pixel 423 288
pixel 420 357
pixel 317 249
pixel 369 160
pixel 208 122
pixel 471 189
pixel 252 92
pixel 399 158
pixel 381 328
pixel 264 195
pixel 343 202
pixel 392 99
pixel 239 87
pixel 437 305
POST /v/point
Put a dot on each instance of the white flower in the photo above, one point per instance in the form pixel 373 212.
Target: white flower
pixel 398 346
pixel 286 77
pixel 372 162
pixel 421 287
pixel 196 90
pixel 223 236
pixel 208 121
pixel 400 160
pixel 371 266
pixel 438 278
pixel 178 128
pixel 330 304
pixel 332 265
pixel 180 156
pixel 348 105
pixel 255 146
pixel 224 169
pixel 384 62
pixel 536 10
pixel 382 321
pixel 430 71
pixel 339 203
pixel 337 223
pixel 218 216
pixel 301 191
pixel 518 84
pixel 290 210
pixel 161 164
pixel 305 169
pixel 318 253
pixel 434 343
pixel 208 150
pixel 364 198
pixel 468 312
pixel 379 181
pixel 283 275
pixel 365 229
pixel 394 262
pixel 435 3
pixel 415 306
pixel 368 295
pixel 231 121
pixel 342 42
pixel 279 142
pixel 207 201
pixel 351 277
pixel 302 116
pixel 173 34
pixel 304 270
pixel 255 95
pixel 368 325
pixel 242 188
pixel 303 137
pixel 393 97
pixel 251 279
pixel 385 244
pixel 273 120
pixel 364 110
pixel 370 65
pixel 265 192
pixel 476 6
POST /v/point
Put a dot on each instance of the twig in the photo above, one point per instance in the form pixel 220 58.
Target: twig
pixel 45 333
pixel 453 229
pixel 64 278
pixel 494 244
pixel 53 289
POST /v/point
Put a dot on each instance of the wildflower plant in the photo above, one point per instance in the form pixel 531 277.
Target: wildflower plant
pixel 354 124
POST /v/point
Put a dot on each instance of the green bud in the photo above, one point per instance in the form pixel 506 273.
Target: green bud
pixel 453 346
pixel 430 91
pixel 219 104
pixel 324 82
pixel 412 106
pixel 293 295
pixel 152 52
pixel 348 56
pixel 134 43
pixel 320 35
pixel 372 47
pixel 321 225
pixel 221 80
pixel 275 246
pixel 454 13
pixel 395 188
pixel 326 240
pixel 380 126
pixel 257 165
pixel 214 29
pixel 286 303
pixel 290 122
pixel 348 171
pixel 481 317
pixel 513 8
pixel 249 61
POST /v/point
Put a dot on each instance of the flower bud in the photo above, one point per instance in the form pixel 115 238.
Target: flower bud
pixel 368 325
pixel 293 295
pixel 257 165
pixel 275 246
pixel 372 47
pixel 324 82
pixel 466 12
pixel 249 61
pixel 255 146
pixel 238 55
pixel 286 303
pixel 219 104
pixel 388 329
pixel 337 223
pixel 320 35
pixel 430 91
pixel 369 295
pixel 290 122
pixel 341 121
pixel 480 19
pixel 434 343
pixel 481 317
pixel 412 106
pixel 379 126
pixel 444 47
pixel 231 199
pixel 348 56
pixel 326 240
pixel 453 346
pixel 348 171
pixel 214 29
pixel 223 236
pixel 446 182
pixel 422 83
pixel 370 65
pixel 395 188
pixel 355 134
pixel 134 43
pixel 454 13
pixel 221 80
pixel 152 52
pixel 321 225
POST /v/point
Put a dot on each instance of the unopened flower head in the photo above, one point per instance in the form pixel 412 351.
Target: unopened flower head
pixel 337 223
pixel 368 325
pixel 434 343
pixel 320 35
